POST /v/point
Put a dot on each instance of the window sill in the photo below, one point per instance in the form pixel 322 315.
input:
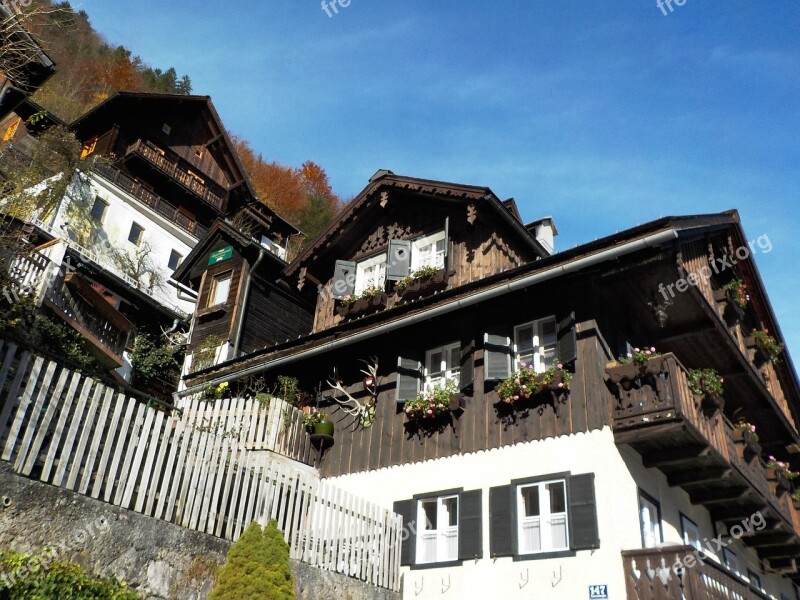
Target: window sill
pixel 545 555
pixel 211 312
pixel 436 565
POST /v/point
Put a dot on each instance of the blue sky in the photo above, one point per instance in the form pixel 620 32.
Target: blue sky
pixel 603 114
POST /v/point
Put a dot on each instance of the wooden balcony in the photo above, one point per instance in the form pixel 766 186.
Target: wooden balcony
pixel 691 441
pixel 649 575
pixel 171 165
pixel 157 203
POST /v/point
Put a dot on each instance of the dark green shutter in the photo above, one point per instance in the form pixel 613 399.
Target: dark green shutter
pixel 567 349
pixel 496 357
pixel 408 510
pixel 409 378
pixel 470 527
pixel 582 513
pixel 344 279
pixel 467 374
pixel 502 521
pixel 399 265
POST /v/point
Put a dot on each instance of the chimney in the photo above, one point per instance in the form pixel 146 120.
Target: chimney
pixel 544 230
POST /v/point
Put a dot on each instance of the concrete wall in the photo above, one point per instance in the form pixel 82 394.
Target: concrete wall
pixel 159 560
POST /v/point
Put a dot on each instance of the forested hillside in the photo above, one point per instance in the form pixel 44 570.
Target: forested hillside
pixel 91 68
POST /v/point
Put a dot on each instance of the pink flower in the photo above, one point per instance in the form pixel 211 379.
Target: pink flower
pixel 630 355
pixel 526 396
pixel 652 349
pixel 636 350
pixel 524 387
pixel 408 410
pixel 721 380
pixel 753 428
pixel 772 458
pixel 516 381
pixel 516 398
pixel 522 363
pixel 559 366
pixel 430 412
pixel 560 384
pixel 648 352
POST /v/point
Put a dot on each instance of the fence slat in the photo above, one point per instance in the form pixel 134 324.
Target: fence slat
pixel 11 353
pixel 108 445
pixel 69 441
pixel 131 468
pixel 118 449
pixel 147 472
pixel 44 426
pixel 94 447
pixel 37 412
pixel 84 439
pixel 22 408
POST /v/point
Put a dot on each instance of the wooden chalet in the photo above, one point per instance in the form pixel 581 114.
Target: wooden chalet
pixel 634 466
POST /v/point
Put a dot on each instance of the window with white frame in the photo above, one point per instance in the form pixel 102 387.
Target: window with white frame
pixel 437 535
pixel 535 344
pixel 220 289
pixel 442 364
pixel 371 273
pixel 428 251
pixel 542 517
pixel 690 533
pixel 650 519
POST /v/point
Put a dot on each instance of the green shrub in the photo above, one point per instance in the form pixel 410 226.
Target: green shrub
pixel 257 567
pixel 41 578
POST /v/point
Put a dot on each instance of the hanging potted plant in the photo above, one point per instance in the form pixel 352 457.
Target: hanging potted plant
pixel 317 422
pixel 706 386
pixel 744 433
pixel 526 383
pixel 781 475
pixel 767 348
pixel 734 294
pixel 422 282
pixel 634 364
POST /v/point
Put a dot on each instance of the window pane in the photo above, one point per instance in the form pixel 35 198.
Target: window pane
pixel 558 499
pixel 98 210
pixel 651 527
pixel 429 510
pixel 174 260
pixel 530 501
pixel 524 339
pixel 135 235
pixel 558 528
pixel 451 508
pixel 530 539
pixel 220 291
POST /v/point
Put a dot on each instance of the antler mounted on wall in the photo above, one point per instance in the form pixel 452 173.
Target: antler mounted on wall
pixel 364 410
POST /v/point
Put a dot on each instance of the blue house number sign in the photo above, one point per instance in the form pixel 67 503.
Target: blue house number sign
pixel 598 592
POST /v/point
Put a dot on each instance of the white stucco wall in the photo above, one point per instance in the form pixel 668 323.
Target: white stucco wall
pixel 123 210
pixel 618 476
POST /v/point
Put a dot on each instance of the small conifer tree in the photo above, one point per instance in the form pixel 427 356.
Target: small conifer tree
pixel 257 567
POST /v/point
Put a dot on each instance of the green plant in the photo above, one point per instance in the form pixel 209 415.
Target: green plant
pixel 62 340
pixel 257 567
pixel 796 495
pixel 152 362
pixel 15 310
pixel 369 292
pixel 217 392
pixel 742 425
pixel 288 390
pixel 781 468
pixel 431 403
pixel 737 292
pixel 206 352
pixel 418 274
pixel 314 417
pixel 40 577
pixel 639 356
pixel 768 344
pixel 705 382
pixel 526 382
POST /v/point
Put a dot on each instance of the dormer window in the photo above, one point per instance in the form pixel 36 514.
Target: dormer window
pixel 370 273
pixel 428 251
pixel 166 129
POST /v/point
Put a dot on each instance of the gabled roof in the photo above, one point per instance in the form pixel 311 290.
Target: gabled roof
pixel 384 180
pixel 118 101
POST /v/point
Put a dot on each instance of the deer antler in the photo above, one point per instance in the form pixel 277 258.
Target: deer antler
pixel 364 412
pixel 351 406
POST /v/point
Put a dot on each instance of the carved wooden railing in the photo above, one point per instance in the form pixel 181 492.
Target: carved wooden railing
pixel 172 167
pixel 650 574
pixel 658 392
pixel 153 200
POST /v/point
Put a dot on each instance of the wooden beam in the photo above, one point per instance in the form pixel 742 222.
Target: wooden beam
pixel 719 496
pixel 686 478
pixel 685 331
pixel 675 457
pixel 785 551
pixel 763 538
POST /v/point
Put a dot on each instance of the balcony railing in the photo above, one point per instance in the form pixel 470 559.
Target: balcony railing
pixel 692 442
pixel 650 575
pixel 169 164
pixel 154 201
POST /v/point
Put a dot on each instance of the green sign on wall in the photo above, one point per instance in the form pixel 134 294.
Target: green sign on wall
pixel 220 255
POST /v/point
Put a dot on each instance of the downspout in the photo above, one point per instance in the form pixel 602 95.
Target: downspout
pixel 648 241
pixel 245 300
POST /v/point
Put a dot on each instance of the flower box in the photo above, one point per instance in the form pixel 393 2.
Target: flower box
pixel 363 306
pixel 781 483
pixel 424 286
pixel 752 448
pixel 732 312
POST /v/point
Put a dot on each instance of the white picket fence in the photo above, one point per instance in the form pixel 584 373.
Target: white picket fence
pixel 215 468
